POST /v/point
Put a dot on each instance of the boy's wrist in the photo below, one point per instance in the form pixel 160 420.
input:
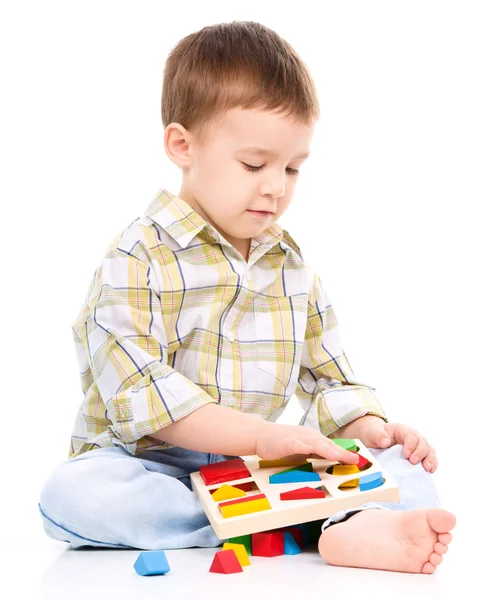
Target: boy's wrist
pixel 354 429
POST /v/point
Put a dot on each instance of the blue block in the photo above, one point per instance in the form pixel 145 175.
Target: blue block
pixel 153 562
pixel 369 482
pixel 290 544
pixel 294 477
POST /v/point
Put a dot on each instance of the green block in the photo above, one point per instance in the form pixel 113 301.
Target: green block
pixel 242 539
pixel 307 467
pixel 345 443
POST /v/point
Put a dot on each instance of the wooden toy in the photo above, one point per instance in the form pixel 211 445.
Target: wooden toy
pixel 245 540
pixel 226 492
pixel 152 562
pixel 263 509
pixel 225 561
pixel 290 545
pixel 267 543
pixel 240 550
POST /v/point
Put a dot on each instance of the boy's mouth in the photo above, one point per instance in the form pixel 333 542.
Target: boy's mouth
pixel 260 213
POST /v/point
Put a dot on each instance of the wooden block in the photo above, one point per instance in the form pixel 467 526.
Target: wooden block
pixel 308 467
pixel 302 494
pixel 345 443
pixel 268 543
pixel 369 482
pixel 280 513
pixel 240 500
pixel 227 470
pixel 290 545
pixel 227 491
pixel 351 483
pixel 362 461
pixel 297 533
pixel 345 469
pixel 243 506
pixel 294 477
pixel 246 487
pixel 240 551
pixel 245 540
pixel 225 561
pixel 152 562
pixel 280 462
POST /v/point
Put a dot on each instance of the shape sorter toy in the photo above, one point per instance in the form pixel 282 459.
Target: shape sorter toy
pixel 241 496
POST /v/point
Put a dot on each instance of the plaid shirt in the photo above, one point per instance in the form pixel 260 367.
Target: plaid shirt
pixel 176 318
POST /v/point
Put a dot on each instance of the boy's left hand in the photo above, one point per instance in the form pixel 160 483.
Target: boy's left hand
pixel 373 432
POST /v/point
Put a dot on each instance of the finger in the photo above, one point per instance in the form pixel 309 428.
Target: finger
pixel 293 447
pixel 331 451
pixel 410 443
pixel 399 431
pixel 430 460
pixel 420 451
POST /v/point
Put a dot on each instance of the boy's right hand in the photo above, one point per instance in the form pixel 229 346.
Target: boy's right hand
pixel 277 441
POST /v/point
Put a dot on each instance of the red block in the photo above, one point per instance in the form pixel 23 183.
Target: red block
pixel 227 470
pixel 362 461
pixel 225 561
pixel 269 543
pixel 303 493
pixel 297 534
pixel 246 487
pixel 242 499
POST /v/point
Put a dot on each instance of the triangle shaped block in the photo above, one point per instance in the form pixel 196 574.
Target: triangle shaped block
pixel 303 493
pixel 290 545
pixel 153 562
pixel 225 561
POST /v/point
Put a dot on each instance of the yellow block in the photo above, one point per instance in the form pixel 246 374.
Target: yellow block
pixel 350 484
pixel 226 492
pixel 345 469
pixel 239 551
pixel 281 462
pixel 243 508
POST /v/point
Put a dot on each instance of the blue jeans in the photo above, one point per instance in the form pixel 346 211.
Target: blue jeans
pixel 109 498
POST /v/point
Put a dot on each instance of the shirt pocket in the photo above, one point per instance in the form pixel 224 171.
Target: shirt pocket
pixel 280 325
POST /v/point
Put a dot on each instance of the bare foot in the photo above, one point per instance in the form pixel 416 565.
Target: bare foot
pixel 411 541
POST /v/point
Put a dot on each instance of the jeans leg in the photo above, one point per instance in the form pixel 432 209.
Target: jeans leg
pixel 417 487
pixel 108 497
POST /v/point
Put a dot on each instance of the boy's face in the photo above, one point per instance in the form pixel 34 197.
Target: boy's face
pixel 216 182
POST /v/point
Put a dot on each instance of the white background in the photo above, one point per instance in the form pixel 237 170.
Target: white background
pixel 392 208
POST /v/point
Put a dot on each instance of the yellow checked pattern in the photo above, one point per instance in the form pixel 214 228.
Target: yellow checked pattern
pixel 175 318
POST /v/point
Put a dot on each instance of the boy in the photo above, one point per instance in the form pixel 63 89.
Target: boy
pixel 203 320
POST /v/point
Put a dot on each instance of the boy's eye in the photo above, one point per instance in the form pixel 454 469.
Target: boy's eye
pixel 254 169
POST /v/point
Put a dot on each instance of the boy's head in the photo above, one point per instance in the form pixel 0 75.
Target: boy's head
pixel 226 88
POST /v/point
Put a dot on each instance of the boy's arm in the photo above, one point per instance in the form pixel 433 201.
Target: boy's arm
pixel 217 429
pixel 121 340
pixel 327 389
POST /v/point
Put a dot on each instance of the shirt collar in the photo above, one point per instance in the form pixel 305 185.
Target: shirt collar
pixel 183 223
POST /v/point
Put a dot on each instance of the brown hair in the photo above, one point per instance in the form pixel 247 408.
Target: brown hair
pixel 227 65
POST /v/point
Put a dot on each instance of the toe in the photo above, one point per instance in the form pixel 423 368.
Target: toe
pixel 435 559
pixel 440 548
pixel 445 538
pixel 428 568
pixel 441 520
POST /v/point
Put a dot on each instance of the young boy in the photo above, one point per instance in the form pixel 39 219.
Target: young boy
pixel 203 320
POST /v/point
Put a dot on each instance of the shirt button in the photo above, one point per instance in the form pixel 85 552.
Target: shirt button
pixel 230 336
pixel 231 401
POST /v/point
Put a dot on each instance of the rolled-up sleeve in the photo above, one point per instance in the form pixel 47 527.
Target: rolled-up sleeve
pixel 327 390
pixel 124 340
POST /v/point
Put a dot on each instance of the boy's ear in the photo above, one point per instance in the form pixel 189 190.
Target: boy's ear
pixel 176 144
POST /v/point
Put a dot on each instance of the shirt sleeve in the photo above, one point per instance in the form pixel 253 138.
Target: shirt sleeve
pixel 123 338
pixel 327 390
